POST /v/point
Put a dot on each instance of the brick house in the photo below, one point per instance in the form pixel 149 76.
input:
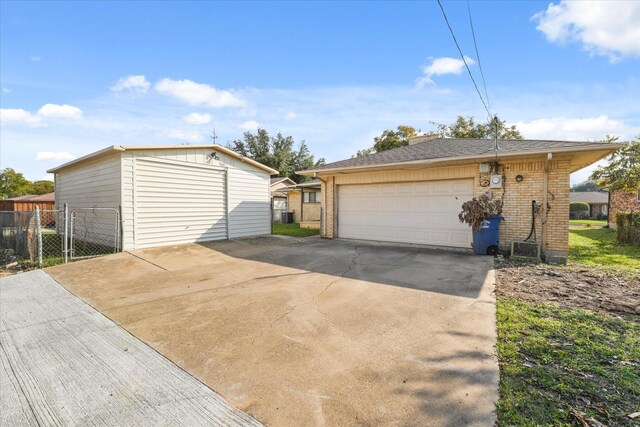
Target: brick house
pixel 304 200
pixel 413 194
pixel 623 201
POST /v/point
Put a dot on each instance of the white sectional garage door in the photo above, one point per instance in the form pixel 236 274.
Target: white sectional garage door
pixel 423 212
pixel 178 203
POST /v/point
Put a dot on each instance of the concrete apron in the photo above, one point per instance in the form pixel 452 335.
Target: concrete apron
pixel 313 332
pixel 64 363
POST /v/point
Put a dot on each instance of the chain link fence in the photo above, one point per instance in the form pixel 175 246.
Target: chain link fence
pixel 94 232
pixel 51 237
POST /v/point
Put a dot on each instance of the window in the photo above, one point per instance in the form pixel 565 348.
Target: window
pixel 312 197
pixel 638 196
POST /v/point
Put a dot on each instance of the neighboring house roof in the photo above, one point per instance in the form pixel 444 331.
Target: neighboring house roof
pixel 279 194
pixel 119 148
pixel 314 184
pixel 451 149
pixel 279 179
pixel 49 197
pixel 590 197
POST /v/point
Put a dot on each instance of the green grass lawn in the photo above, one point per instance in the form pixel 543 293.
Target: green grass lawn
pixel 555 359
pixel 294 230
pixel 598 247
pixel 588 222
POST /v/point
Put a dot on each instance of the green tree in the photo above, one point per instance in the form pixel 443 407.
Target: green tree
pixel 276 152
pixel 468 128
pixel 41 187
pixel 393 138
pixel 13 184
pixel 623 170
pixel 463 127
pixel 587 186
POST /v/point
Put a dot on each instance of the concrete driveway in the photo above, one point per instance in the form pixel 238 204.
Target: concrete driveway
pixel 313 332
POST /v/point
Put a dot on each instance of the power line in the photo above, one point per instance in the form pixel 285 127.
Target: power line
pixel 473 33
pixel 463 58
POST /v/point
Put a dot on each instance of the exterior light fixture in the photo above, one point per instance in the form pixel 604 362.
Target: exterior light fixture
pixel 519 178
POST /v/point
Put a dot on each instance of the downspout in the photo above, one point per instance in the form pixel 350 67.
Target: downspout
pixel 545 189
pixel 323 214
pixel 301 204
pixel 608 208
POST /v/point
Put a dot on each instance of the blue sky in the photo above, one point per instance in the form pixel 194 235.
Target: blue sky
pixel 76 77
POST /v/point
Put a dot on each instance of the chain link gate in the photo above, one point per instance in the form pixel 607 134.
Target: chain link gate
pixel 93 232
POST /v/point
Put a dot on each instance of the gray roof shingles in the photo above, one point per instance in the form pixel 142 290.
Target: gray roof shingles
pixel 589 196
pixel 450 148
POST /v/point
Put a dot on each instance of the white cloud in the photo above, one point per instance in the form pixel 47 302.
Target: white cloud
pixel 60 111
pixel 36 58
pixel 18 116
pixel 250 125
pixel 441 66
pixel 6 90
pixel 57 156
pixel 198 118
pixel 199 93
pixel 603 27
pixel 185 136
pixel 137 83
pixel 577 129
pixel 290 115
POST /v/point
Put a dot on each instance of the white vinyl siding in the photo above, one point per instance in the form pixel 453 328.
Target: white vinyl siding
pixel 93 184
pixel 249 203
pixel 424 212
pixel 178 203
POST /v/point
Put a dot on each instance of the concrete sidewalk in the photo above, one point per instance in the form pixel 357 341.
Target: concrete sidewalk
pixel 64 363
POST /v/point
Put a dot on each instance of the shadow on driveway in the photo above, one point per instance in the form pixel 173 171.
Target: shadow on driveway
pixel 310 331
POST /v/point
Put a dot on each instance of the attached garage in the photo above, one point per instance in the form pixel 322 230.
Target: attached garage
pixel 171 195
pixel 413 194
pixel 423 212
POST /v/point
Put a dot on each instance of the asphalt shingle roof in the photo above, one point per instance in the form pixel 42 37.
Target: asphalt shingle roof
pixel 450 148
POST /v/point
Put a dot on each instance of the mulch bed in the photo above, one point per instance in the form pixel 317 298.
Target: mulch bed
pixel 591 289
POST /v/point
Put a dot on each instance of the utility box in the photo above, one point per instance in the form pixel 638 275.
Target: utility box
pixel 495 181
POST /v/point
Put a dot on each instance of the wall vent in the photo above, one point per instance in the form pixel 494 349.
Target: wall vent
pixel 526 250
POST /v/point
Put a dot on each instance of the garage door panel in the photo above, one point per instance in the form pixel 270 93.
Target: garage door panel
pixel 178 203
pixel 419 212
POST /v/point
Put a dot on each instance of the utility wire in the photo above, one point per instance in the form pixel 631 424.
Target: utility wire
pixel 475 44
pixel 463 58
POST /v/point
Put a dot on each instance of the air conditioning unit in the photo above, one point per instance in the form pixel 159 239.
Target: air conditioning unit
pixel 529 250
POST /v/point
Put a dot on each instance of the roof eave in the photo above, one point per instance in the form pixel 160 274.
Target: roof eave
pixel 600 146
pixel 95 155
pixel 117 148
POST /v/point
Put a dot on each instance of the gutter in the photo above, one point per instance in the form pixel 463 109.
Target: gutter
pixel 491 155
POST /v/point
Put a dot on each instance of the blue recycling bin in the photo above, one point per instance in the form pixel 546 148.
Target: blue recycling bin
pixel 485 241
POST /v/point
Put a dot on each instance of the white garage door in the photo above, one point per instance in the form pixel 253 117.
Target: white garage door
pixel 413 212
pixel 178 202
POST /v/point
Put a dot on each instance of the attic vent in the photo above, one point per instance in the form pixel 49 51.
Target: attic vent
pixel 526 250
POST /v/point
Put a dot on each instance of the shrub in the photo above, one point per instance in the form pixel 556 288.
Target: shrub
pixel 478 209
pixel 578 207
pixel 628 227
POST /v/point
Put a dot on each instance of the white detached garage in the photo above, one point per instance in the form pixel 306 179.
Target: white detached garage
pixel 171 195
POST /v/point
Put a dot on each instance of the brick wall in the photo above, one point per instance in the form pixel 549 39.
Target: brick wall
pixel 625 201
pixel 517 196
pixel 293 204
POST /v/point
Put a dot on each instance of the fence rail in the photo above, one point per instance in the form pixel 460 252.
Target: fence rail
pixel 49 237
